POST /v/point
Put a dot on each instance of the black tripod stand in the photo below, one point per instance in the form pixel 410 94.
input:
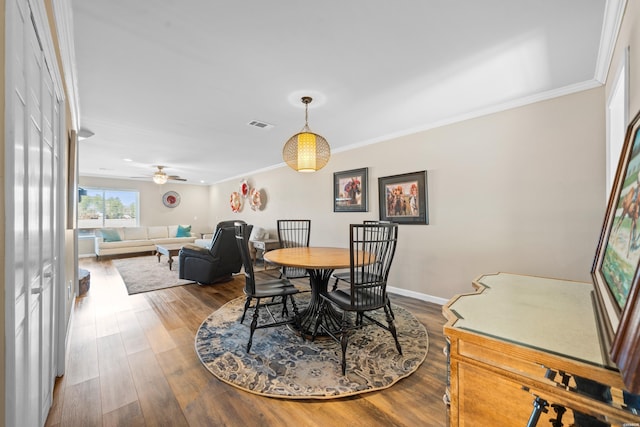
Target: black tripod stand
pixel 541 406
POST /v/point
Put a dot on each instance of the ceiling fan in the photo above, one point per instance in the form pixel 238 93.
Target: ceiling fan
pixel 161 177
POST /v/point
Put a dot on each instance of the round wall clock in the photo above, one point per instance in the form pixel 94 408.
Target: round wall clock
pixel 171 199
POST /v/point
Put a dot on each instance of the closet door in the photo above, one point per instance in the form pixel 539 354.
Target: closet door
pixel 48 113
pixel 31 172
pixel 17 291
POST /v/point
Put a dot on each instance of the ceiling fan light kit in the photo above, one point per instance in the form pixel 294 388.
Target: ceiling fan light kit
pixel 159 177
pixel 306 151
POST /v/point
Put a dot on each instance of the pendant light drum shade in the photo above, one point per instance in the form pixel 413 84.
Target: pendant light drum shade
pixel 306 151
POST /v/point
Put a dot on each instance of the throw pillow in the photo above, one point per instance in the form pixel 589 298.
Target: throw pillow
pixel 258 233
pixel 110 235
pixel 184 231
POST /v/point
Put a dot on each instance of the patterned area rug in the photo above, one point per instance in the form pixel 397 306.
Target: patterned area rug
pixel 145 273
pixel 281 364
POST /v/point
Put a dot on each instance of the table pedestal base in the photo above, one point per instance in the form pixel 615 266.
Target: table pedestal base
pixel 331 318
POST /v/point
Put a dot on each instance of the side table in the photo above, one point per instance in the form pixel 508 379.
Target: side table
pixel 84 280
pixel 533 345
pixel 263 246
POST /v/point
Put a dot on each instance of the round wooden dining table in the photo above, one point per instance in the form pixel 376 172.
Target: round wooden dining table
pixel 320 262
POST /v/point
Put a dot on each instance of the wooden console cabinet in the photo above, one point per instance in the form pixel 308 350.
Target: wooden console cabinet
pixel 518 338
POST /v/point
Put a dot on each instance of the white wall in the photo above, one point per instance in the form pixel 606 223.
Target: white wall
pixel 192 210
pixel 517 191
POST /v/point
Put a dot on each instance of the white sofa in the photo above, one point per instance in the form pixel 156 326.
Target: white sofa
pixel 205 241
pixel 137 239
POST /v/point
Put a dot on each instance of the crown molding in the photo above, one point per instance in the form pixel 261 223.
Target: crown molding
pixel 63 16
pixel 43 32
pixel 491 109
pixel 613 14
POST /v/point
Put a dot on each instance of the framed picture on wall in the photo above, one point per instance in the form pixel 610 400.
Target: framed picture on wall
pixel 403 198
pixel 615 268
pixel 350 190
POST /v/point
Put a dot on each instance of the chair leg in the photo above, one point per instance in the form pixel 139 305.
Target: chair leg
pixel 296 315
pixel 246 307
pixel 390 310
pixel 321 310
pixel 343 341
pixel 254 324
pixel 392 328
pixel 285 311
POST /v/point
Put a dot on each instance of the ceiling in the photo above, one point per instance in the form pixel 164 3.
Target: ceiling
pixel 177 82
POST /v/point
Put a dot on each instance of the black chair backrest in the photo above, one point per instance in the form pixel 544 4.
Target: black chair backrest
pixel 372 248
pixel 242 233
pixel 224 248
pixel 222 224
pixel 228 223
pixel 294 233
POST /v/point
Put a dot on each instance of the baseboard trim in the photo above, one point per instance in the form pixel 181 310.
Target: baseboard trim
pixel 417 295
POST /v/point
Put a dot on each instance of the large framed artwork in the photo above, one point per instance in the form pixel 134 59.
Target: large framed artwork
pixel 350 189
pixel 403 198
pixel 615 267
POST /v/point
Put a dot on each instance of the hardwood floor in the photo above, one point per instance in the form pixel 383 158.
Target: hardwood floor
pixel 132 362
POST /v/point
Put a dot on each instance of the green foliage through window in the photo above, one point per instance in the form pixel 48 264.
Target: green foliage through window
pixel 101 207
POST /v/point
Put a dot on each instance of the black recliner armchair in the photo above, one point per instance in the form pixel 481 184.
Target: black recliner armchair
pixel 217 264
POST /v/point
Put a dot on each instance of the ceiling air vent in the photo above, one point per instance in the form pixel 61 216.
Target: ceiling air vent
pixel 259 124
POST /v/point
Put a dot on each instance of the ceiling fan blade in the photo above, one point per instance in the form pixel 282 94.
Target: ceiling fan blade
pixel 160 171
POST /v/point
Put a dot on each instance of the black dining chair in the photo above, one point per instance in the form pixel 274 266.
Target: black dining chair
pixel 372 248
pixel 257 290
pixel 345 275
pixel 293 233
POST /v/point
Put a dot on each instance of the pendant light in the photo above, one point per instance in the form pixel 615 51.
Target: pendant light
pixel 306 151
